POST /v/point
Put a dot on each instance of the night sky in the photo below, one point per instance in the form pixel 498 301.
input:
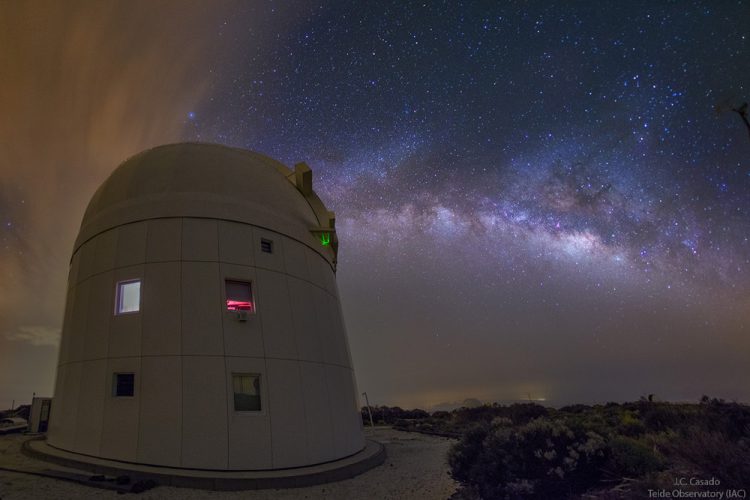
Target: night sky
pixel 535 200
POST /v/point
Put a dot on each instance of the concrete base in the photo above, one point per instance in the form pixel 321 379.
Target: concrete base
pixel 371 456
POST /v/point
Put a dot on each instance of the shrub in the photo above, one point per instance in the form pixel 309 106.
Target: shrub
pixel 731 419
pixel 659 417
pixel 390 415
pixel 464 456
pixel 631 458
pixel 543 458
pixel 609 451
pixel 526 412
pixel 577 408
pixel 714 454
pixel 630 425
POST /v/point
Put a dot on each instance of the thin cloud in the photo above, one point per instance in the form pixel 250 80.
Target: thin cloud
pixel 36 335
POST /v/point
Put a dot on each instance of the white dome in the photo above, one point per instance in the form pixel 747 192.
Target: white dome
pixel 210 181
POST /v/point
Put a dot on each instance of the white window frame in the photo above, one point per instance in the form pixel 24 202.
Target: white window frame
pixel 118 295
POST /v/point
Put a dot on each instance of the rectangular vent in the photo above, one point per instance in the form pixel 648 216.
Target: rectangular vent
pixel 266 245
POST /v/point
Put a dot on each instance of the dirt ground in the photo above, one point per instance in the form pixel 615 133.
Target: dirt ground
pixel 415 468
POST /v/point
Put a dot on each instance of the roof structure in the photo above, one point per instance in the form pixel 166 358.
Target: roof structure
pixel 243 186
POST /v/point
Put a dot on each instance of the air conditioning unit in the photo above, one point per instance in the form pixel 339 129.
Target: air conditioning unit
pixel 241 315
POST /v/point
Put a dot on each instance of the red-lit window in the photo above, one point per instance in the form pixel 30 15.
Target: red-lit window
pixel 239 296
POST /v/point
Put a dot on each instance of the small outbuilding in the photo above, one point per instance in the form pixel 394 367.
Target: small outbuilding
pixel 202 327
pixel 39 414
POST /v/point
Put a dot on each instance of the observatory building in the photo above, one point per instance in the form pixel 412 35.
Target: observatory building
pixel 202 327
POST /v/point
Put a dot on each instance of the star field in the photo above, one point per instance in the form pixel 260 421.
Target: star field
pixel 545 150
pixel 590 131
pixel 533 198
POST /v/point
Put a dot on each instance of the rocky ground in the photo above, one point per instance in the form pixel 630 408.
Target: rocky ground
pixel 415 468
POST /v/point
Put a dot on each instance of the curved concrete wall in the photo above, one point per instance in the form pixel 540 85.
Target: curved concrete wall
pixel 183 347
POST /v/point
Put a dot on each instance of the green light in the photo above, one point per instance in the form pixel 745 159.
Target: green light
pixel 325 239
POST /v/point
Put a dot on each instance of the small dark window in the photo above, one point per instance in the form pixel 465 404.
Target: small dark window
pixel 266 245
pixel 239 296
pixel 124 385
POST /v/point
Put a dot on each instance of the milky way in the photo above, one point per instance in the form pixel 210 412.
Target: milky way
pixel 534 199
pixel 591 132
pixel 577 165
